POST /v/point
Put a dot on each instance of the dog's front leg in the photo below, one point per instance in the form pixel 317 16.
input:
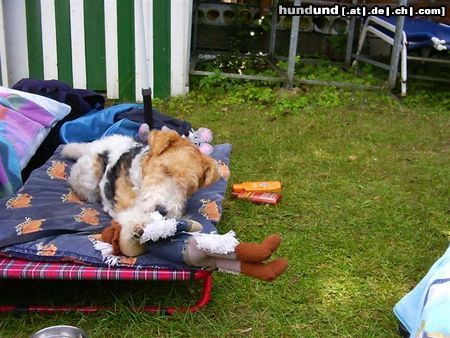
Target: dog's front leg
pixel 128 243
pixel 132 223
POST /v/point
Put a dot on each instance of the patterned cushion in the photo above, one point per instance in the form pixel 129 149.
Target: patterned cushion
pixel 46 201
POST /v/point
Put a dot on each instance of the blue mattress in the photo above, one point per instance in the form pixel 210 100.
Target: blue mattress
pixel 47 202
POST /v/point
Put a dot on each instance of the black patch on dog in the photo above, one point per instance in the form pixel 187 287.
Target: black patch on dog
pixel 103 158
pixel 128 157
pixel 110 185
pixel 123 163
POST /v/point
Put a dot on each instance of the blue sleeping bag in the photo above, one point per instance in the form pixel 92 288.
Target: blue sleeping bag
pixel 124 118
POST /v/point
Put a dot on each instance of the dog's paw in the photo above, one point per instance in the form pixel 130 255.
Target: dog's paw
pixel 137 233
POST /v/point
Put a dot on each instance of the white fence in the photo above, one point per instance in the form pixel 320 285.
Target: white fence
pixel 116 46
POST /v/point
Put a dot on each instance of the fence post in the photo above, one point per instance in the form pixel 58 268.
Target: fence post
pixel 293 47
pixel 350 37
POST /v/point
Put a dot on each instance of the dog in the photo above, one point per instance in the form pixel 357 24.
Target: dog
pixel 132 180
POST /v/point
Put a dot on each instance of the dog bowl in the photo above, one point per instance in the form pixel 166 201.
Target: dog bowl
pixel 60 331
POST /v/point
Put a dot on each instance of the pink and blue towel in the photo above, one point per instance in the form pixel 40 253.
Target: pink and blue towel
pixel 23 126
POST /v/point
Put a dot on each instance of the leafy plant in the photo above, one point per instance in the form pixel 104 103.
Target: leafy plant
pixel 213 81
pixel 328 98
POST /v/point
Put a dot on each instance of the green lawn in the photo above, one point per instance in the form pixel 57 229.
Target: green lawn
pixel 364 214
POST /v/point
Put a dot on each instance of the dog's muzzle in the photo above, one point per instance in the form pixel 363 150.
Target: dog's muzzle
pixel 161 210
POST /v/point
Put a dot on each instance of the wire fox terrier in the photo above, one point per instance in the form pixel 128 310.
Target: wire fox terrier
pixel 132 180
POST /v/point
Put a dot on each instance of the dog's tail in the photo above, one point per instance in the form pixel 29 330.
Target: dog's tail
pixel 74 150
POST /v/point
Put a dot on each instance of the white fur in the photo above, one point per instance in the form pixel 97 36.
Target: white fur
pixel 135 170
pixel 82 177
pixel 87 187
pixel 164 192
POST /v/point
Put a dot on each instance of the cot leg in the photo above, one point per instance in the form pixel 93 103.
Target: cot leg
pixel 202 302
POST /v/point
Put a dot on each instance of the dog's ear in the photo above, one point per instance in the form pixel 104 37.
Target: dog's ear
pixel 160 141
pixel 211 173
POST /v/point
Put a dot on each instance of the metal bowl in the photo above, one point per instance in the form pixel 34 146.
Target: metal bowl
pixel 60 331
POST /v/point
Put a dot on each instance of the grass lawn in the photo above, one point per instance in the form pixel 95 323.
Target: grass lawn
pixel 364 214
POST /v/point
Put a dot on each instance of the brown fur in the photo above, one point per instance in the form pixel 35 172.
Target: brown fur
pixel 98 168
pixel 170 156
pixel 125 194
pixel 172 161
pixel 177 157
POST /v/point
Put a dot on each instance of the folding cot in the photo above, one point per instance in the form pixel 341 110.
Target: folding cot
pixel 68 252
pixel 11 268
pixel 416 34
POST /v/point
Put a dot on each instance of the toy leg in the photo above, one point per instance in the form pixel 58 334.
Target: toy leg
pixel 246 259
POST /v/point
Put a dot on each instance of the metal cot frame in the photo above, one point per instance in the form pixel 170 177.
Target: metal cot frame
pixel 14 269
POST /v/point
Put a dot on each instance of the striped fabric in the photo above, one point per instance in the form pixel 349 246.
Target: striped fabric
pixel 21 269
pixel 117 46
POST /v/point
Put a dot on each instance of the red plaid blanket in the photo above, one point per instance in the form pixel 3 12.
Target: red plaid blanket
pixel 20 269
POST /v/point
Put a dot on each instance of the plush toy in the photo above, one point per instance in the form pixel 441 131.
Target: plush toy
pixel 202 137
pixel 158 228
pixel 213 251
pixel 143 132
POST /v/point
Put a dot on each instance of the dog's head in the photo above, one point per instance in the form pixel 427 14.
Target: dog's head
pixel 173 171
